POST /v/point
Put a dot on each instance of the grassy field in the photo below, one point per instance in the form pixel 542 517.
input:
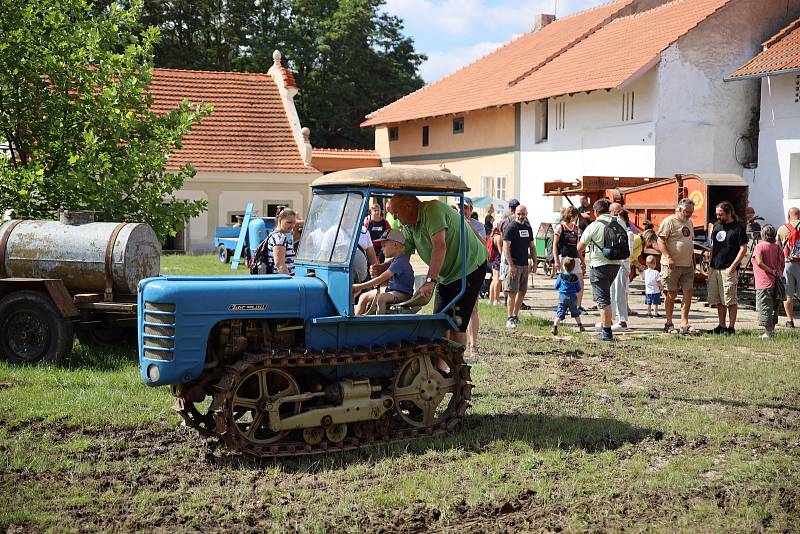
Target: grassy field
pixel 662 433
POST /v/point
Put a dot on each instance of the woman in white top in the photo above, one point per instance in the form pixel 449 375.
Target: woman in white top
pixel 566 235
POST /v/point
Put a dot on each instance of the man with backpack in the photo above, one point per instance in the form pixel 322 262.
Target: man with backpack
pixel 676 242
pixel 607 242
pixel 789 238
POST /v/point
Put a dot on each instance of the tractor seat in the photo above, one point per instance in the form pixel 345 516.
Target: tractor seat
pixel 416 302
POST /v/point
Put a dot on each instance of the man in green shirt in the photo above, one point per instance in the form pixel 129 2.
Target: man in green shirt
pixel 433 230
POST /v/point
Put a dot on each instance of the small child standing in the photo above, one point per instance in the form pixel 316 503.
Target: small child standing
pixel 652 287
pixel 568 287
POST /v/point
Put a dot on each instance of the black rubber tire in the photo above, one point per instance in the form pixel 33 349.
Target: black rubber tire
pixel 223 254
pixel 32 330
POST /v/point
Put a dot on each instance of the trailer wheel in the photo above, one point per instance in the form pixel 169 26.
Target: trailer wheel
pixel 32 330
pixel 223 254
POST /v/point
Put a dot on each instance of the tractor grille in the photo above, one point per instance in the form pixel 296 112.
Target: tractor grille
pixel 158 336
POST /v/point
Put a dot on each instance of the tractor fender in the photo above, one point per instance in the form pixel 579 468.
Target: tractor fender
pixel 54 287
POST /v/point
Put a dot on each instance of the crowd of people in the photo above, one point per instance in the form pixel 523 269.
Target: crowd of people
pixel 596 241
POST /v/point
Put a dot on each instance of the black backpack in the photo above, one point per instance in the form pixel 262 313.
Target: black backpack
pixel 260 257
pixel 615 241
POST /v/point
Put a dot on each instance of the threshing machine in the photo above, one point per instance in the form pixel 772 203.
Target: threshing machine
pixel 277 365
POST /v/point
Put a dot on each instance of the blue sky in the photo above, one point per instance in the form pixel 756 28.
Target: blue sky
pixel 455 32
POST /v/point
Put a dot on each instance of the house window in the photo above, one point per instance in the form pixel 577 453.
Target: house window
pixel 487 186
pixel 273 208
pixel 561 115
pixel 540 133
pixel 794 176
pixel 458 125
pixel 797 89
pixel 500 192
pixel 425 135
pixel 628 103
pixel 394 133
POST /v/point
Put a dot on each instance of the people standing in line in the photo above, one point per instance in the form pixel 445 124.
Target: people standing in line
pixel 619 288
pixel 480 233
pixel 280 247
pixel 376 225
pixel 584 213
pixel 519 248
pixel 676 242
pixel 789 238
pixel 496 286
pixel 568 286
pixel 603 270
pixel 728 247
pixel 768 266
pixel 433 230
pixel 566 235
pixel 652 287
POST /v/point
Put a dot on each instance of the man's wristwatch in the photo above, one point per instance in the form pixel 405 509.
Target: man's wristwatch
pixel 428 280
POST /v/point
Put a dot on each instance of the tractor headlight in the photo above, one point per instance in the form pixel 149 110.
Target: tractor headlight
pixel 153 373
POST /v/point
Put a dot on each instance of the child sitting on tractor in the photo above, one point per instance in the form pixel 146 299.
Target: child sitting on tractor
pixel 399 276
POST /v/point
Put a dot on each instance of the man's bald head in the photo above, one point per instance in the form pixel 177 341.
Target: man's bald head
pixel 794 214
pixel 615 208
pixel 404 208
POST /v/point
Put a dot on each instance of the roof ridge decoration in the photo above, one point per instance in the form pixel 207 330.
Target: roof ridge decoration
pixel 784 32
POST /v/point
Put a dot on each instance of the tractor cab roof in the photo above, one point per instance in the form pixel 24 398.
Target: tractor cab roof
pixel 395 178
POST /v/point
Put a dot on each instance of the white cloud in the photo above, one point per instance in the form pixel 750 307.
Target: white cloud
pixel 441 63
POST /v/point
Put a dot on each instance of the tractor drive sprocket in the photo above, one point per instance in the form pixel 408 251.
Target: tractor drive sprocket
pixel 430 388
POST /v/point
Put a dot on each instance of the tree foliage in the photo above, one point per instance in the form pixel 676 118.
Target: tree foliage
pixel 349 57
pixel 75 115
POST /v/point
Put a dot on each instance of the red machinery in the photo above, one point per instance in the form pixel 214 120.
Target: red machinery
pixel 656 198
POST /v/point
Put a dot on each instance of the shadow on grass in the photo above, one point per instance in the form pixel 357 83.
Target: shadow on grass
pixel 491 434
pixel 98 358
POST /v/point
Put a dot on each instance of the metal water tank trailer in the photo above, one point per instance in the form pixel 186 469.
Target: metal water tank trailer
pixel 87 256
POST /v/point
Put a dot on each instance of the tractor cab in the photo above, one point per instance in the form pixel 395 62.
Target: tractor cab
pixel 329 251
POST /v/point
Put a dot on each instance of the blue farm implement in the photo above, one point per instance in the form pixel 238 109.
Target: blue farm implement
pixel 275 365
pixel 233 243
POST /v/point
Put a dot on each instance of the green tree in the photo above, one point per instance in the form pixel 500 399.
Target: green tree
pixel 76 117
pixel 349 57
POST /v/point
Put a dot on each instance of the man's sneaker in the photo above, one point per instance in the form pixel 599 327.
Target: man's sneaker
pixel 581 328
pixel 554 330
pixel 767 335
pixel 789 324
pixel 598 326
pixel 511 324
pixel 605 336
pixel 719 330
pixel 730 331
pixel 582 309
pixel 619 327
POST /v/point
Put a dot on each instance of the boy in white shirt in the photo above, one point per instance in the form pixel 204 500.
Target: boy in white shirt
pixel 652 287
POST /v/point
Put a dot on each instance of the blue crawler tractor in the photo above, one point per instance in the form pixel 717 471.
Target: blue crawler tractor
pixel 280 366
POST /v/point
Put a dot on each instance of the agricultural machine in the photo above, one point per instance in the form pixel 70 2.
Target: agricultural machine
pixel 235 242
pixel 280 366
pixel 67 277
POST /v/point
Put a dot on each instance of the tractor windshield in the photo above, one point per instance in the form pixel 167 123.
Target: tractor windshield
pixel 329 228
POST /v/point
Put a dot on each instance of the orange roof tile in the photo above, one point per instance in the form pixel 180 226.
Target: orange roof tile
pixel 616 52
pixel 483 83
pixel 248 130
pixel 349 153
pixel 782 54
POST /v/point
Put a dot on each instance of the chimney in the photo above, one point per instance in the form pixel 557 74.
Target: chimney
pixel 542 20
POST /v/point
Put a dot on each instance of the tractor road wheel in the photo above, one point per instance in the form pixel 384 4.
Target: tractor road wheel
pixel 32 330
pixel 223 254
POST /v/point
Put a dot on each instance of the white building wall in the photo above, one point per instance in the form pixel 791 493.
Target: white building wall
pixel 700 117
pixel 776 181
pixel 594 140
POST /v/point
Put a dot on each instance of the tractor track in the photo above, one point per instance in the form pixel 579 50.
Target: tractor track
pixel 215 424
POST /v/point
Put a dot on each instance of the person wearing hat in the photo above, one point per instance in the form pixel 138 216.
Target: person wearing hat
pixel 399 276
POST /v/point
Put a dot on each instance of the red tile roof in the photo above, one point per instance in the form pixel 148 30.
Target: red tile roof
pixel 483 83
pixel 248 130
pixel 615 53
pixel 782 54
pixel 337 159
pixel 349 153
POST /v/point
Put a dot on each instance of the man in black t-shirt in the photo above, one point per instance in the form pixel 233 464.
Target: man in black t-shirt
pixel 519 247
pixel 728 246
pixel 584 213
